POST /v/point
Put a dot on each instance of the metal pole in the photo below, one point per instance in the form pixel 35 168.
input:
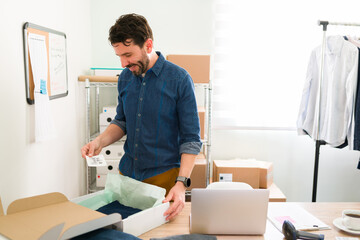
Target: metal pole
pixel 87 126
pixel 208 131
pixel 318 142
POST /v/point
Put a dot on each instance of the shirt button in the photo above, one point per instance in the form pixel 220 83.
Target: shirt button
pixel 136 145
pixel 137 129
pixel 144 84
pixel 139 115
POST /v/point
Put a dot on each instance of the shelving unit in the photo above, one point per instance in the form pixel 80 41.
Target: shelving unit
pixel 92 110
pixel 207 136
pixel 206 148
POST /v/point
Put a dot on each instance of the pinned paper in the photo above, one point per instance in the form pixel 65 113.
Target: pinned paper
pixel 44 122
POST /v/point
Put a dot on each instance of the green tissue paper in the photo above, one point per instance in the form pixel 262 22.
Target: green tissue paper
pixel 127 191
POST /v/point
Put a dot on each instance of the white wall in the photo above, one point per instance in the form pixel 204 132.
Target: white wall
pixel 185 27
pixel 28 168
pixel 174 24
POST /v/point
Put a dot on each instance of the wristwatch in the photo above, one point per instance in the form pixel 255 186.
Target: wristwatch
pixel 186 181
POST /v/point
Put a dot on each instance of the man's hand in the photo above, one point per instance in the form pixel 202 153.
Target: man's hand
pixel 93 148
pixel 111 134
pixel 177 195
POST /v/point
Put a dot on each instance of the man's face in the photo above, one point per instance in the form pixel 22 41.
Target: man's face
pixel 132 57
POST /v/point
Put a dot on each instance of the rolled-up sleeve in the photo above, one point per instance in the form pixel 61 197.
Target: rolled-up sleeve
pixel 120 119
pixel 189 125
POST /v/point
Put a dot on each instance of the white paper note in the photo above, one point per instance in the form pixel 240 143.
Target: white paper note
pixel 96 161
pixel 57 63
pixel 44 124
pixel 299 217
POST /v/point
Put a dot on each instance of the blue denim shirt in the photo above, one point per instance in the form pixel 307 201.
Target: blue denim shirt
pixel 158 113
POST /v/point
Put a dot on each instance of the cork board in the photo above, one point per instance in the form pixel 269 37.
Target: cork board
pixel 57 77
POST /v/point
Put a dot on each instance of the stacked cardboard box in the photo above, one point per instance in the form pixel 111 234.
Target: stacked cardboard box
pixel 198 66
pixel 112 155
pixel 106 116
pixel 198 174
pixel 201 111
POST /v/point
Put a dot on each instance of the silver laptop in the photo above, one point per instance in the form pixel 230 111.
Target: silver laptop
pixel 229 211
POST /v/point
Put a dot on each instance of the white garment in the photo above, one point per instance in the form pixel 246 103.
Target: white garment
pixel 338 93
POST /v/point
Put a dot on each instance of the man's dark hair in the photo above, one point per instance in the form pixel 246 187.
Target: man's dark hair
pixel 131 27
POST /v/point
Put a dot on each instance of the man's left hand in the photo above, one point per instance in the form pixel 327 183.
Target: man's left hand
pixel 177 195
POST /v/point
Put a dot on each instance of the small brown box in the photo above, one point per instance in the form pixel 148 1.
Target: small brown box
pixel 198 66
pixel 237 170
pixel 201 111
pixel 266 174
pixel 198 174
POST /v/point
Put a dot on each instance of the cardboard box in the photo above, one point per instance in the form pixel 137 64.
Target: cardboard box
pixel 237 171
pixel 51 216
pixel 109 109
pixel 105 118
pixel 266 174
pixel 100 180
pixel 140 222
pixel 102 128
pixel 201 111
pixel 102 172
pixel 198 174
pixel 198 66
pixel 113 151
pixel 112 167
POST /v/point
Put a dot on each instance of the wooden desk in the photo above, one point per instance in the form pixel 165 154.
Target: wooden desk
pixel 276 195
pixel 326 212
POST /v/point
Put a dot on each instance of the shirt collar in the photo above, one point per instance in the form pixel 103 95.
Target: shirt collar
pixel 158 64
pixel 335 44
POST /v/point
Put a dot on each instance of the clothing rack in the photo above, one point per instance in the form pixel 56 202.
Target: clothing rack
pixel 318 143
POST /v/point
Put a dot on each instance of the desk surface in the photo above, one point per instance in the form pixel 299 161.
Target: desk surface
pixel 326 212
pixel 276 195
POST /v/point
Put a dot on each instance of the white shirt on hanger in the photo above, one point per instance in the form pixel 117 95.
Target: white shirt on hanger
pixel 338 90
pixel 354 40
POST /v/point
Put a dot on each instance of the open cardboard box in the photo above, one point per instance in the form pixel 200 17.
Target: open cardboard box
pixel 51 217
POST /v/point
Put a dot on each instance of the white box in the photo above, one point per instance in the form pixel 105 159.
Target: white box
pixel 112 167
pixel 101 180
pixel 101 172
pixel 105 118
pixel 110 109
pixel 113 152
pixel 140 222
pixel 102 128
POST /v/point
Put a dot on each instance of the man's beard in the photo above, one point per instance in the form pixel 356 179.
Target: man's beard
pixel 142 64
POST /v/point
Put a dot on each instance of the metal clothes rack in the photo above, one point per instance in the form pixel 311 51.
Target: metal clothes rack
pixel 318 143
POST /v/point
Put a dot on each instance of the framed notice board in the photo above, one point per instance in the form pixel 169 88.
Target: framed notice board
pixel 45 62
